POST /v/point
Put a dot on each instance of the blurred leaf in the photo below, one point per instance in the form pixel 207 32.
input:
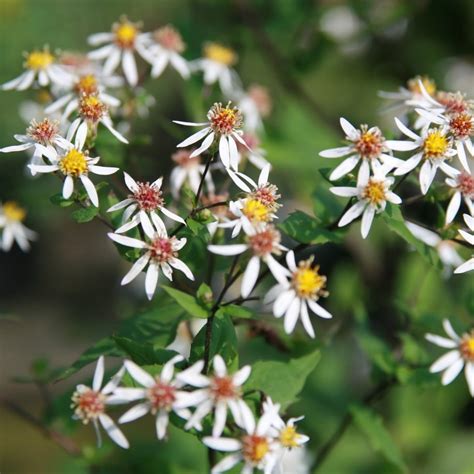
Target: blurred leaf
pixel 306 229
pixel 85 214
pixel 326 206
pixel 205 296
pixel 420 376
pixel 379 438
pixel 189 303
pixel 377 351
pixel 395 221
pixel 413 351
pixel 223 342
pixel 282 381
pixel 199 229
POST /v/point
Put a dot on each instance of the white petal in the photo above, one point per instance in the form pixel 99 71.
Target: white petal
pixel 129 67
pixel 206 143
pixel 352 213
pixel 182 267
pixel 405 130
pixel 345 167
pixel 335 152
pixel 81 136
pixel 224 151
pixel 367 218
pixel 151 280
pixel 98 374
pixel 453 207
pixel 469 373
pixel 195 137
pixel 426 176
pixel 319 310
pixel 68 186
pixel 445 361
pixel 344 191
pixel 173 216
pixel 127 241
pixel 241 376
pixel 140 375
pixel 282 303
pixel 441 341
pixel 220 418
pixel 222 444
pixel 448 328
pixel 135 412
pixel 306 320
pixel 90 189
pixel 161 424
pixel 348 128
pixel 113 431
pixel 250 276
pixel 467 266
pixel 291 315
pixel 401 145
pixel 233 249
pixel 452 372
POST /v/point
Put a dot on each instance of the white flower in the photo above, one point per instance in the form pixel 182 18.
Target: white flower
pixel 467 266
pixel 219 392
pixel 445 248
pixel 43 138
pixel 160 395
pixel 252 151
pixel 85 85
pixel 164 47
pixel 93 111
pixel 255 104
pixel 40 65
pixel 223 126
pixel 161 253
pixel 372 193
pixel 263 242
pixel 433 147
pixel 90 404
pixel 216 66
pixel 460 356
pixel 256 447
pixel 188 170
pixel 125 39
pixel 11 221
pixel 366 144
pixel 460 125
pixel 463 186
pixel 75 163
pixel 292 297
pixel 414 95
pixel 145 202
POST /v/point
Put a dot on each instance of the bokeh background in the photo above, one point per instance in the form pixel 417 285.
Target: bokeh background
pixel 319 60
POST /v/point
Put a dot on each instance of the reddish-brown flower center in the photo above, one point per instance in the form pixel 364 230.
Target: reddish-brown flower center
pixel 91 108
pixel 161 396
pixel 88 404
pixel 466 184
pixel 224 120
pixel 169 38
pixel 148 197
pixel 268 196
pixel 370 143
pixel 265 241
pixel 466 346
pixel 255 448
pixel 162 249
pixel 454 103
pixel 223 387
pixel 43 132
pixel 462 125
pixel 262 99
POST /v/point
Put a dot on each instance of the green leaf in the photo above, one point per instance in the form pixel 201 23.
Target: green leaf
pixel 282 381
pixel 235 311
pixel 419 376
pixel 199 229
pixel 379 438
pixel 189 303
pixel 223 342
pixel 143 353
pixel 395 221
pixel 205 296
pixel 377 351
pixel 58 200
pixel 157 326
pixel 307 230
pixel 85 214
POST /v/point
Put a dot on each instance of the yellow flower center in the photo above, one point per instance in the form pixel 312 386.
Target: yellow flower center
pixel 255 448
pixel 466 346
pixel 125 34
pixel 224 120
pixel 220 54
pixel 38 60
pixel 74 163
pixel 374 191
pixel 256 211
pixel 428 84
pixel 435 145
pixel 13 212
pixel 87 85
pixel 289 437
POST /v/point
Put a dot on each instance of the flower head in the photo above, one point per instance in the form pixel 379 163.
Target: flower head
pixel 12 216
pixel 467 266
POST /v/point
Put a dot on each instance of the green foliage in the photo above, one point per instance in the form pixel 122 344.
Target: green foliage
pixel 85 214
pixel 379 438
pixel 307 230
pixel 143 353
pixel 58 200
pixel 282 381
pixel 189 303
pixel 235 311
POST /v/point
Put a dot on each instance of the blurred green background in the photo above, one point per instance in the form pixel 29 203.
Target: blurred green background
pixel 320 60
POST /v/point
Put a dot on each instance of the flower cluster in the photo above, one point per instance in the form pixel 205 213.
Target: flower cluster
pixel 259 444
